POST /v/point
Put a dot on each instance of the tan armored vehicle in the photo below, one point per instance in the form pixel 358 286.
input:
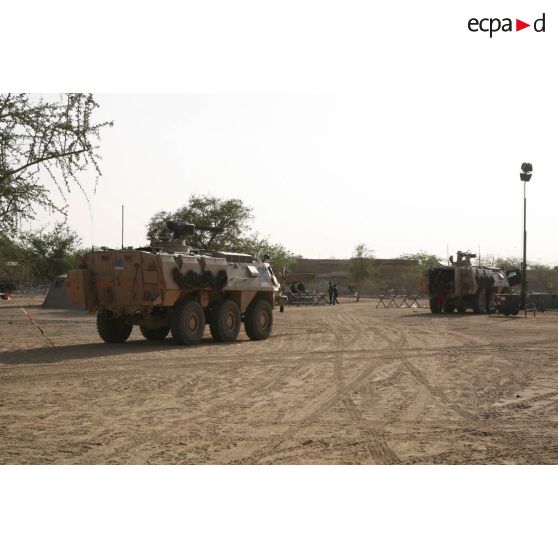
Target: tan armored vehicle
pixel 170 286
pixel 462 285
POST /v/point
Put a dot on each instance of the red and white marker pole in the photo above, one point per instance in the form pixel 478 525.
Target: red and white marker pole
pixel 38 326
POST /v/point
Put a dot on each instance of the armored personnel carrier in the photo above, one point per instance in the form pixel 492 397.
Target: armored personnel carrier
pixel 170 286
pixel 461 285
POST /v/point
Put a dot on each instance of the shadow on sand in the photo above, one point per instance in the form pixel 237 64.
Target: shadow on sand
pixel 460 316
pixel 450 316
pixel 94 350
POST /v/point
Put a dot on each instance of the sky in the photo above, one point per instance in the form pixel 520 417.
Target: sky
pixel 416 147
pixel 325 172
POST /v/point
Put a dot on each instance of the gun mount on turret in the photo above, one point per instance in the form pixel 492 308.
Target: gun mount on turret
pixel 462 285
pixel 171 286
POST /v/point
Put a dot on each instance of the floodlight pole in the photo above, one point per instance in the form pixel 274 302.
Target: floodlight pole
pixel 525 176
pixel 524 270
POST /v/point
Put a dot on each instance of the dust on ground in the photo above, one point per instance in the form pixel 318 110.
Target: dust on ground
pixel 333 385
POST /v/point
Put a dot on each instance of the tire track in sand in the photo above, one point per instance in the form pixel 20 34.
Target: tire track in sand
pixel 377 448
pixel 436 392
pixel 225 404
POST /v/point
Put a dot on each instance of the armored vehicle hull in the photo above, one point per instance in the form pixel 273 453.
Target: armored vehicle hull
pixel 164 291
pixel 462 286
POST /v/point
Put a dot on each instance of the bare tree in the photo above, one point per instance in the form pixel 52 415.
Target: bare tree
pixel 44 145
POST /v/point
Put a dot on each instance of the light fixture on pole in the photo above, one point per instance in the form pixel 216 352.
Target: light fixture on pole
pixel 525 175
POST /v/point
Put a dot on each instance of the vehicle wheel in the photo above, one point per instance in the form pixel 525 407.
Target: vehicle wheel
pixel 449 308
pixel 479 302
pixel 113 330
pixel 156 333
pixel 434 306
pixel 258 320
pixel 462 309
pixel 490 300
pixel 187 322
pixel 507 308
pixel 224 321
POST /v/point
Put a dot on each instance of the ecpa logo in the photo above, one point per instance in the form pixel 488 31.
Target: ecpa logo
pixel 493 25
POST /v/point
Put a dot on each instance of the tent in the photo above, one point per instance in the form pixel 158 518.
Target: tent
pixel 57 297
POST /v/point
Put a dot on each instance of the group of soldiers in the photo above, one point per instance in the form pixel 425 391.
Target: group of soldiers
pixel 333 293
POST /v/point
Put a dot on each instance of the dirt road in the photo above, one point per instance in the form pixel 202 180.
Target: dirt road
pixel 344 384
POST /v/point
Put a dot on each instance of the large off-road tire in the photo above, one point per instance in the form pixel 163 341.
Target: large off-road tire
pixel 258 320
pixel 113 330
pixel 479 302
pixel 490 301
pixel 155 334
pixel 449 307
pixel 187 322
pixel 461 308
pixel 224 321
pixel 434 306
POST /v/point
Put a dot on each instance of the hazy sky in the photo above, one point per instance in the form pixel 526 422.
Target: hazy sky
pixel 425 156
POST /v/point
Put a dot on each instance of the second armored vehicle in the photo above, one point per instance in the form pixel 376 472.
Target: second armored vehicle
pixel 170 286
pixel 462 285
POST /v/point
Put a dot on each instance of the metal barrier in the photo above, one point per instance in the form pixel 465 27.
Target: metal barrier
pixel 496 312
pixel 399 301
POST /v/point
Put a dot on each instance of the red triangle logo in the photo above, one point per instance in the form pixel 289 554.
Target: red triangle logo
pixel 519 25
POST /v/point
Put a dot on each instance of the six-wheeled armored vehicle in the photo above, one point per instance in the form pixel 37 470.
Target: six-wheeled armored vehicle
pixel 461 285
pixel 169 286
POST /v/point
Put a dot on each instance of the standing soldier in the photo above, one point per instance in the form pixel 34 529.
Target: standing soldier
pixel 330 293
pixel 335 294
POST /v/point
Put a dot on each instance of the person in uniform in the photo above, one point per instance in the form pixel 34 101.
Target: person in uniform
pixel 330 293
pixel 335 294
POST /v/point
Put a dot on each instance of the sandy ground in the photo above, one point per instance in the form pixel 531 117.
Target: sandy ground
pixel 344 384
